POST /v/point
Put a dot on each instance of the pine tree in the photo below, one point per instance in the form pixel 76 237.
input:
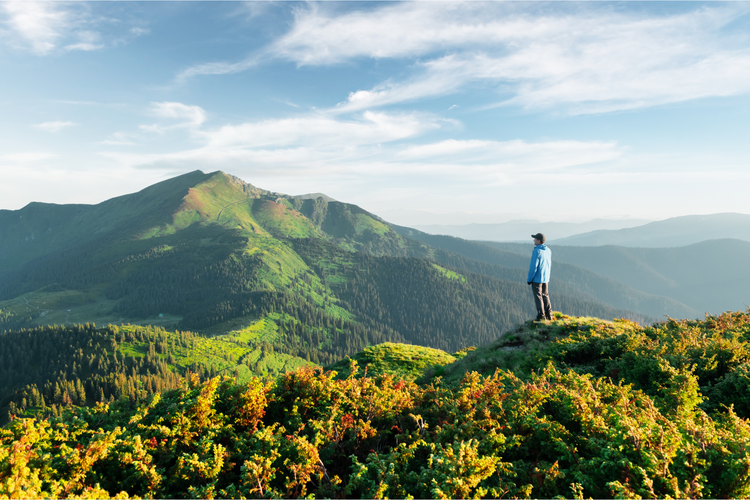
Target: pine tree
pixel 58 394
pixel 80 393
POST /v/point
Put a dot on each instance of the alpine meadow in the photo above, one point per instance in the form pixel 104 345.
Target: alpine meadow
pixel 374 250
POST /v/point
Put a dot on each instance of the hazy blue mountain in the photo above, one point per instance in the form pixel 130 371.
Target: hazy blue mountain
pixel 674 232
pixel 512 263
pixel 710 276
pixel 520 230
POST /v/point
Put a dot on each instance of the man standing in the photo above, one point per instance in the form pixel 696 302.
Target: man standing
pixel 539 269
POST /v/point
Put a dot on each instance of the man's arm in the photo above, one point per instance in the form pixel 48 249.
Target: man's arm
pixel 533 266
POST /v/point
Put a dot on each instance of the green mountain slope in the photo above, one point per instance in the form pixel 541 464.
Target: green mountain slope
pixel 405 362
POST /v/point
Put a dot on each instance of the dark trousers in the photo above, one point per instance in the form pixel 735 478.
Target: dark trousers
pixel 541 299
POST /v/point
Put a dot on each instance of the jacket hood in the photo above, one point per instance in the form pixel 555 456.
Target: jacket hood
pixel 543 246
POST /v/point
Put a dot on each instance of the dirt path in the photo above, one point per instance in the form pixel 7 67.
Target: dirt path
pixel 222 210
pixel 43 312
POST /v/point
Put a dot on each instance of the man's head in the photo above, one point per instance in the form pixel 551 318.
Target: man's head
pixel 538 238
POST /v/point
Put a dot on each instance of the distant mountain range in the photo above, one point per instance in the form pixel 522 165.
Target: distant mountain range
pixel 511 261
pixel 710 276
pixel 521 230
pixel 674 232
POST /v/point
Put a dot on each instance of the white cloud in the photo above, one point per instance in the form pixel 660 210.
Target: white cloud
pixel 369 147
pixel 324 131
pixel 48 27
pixel 193 115
pixel 54 126
pixel 87 41
pixel 405 30
pixel 187 116
pixel 515 155
pixel 39 24
pixel 589 61
pixel 119 139
pixel 217 68
pixel 313 143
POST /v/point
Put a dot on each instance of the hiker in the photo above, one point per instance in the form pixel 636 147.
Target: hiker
pixel 539 269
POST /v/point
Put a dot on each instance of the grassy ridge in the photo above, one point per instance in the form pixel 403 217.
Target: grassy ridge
pixel 405 362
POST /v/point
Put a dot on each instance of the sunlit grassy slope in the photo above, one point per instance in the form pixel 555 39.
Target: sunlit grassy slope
pixel 403 361
pixel 191 222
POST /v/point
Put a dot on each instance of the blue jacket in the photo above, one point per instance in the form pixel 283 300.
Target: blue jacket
pixel 541 263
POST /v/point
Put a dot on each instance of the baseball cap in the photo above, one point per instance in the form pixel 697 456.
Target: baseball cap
pixel 539 236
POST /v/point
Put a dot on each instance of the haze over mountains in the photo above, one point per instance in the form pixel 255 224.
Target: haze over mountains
pixel 674 232
pixel 705 276
pixel 519 230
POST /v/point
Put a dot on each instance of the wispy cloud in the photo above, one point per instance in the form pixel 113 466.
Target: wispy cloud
pixel 48 27
pixel 119 139
pixel 87 40
pixel 374 146
pixel 589 59
pixel 588 63
pixel 90 103
pixel 305 142
pixel 39 24
pixel 512 157
pixel 187 116
pixel 218 68
pixel 323 131
pixel 54 126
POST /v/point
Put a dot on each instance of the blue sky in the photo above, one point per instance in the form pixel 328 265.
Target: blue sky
pixel 558 111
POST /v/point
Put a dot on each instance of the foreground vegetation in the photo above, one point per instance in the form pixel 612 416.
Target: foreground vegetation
pixel 575 407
